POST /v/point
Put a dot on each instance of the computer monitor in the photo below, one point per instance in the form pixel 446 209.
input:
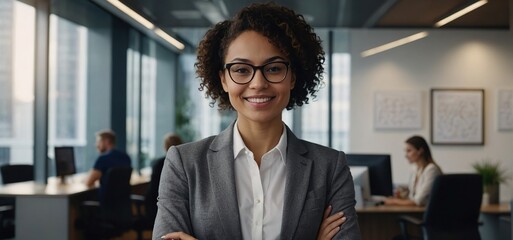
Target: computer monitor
pixel 64 162
pixel 361 184
pixel 380 171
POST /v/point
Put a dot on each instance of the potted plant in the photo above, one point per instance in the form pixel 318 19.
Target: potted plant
pixel 493 175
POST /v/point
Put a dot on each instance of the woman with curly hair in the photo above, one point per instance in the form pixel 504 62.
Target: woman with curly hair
pixel 256 179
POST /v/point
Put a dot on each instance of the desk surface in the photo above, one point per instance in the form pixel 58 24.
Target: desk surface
pixel 74 184
pixel 488 209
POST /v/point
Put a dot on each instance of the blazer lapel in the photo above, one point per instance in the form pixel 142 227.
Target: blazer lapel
pixel 298 177
pixel 220 161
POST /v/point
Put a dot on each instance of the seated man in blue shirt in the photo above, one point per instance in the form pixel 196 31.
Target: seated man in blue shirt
pixel 109 157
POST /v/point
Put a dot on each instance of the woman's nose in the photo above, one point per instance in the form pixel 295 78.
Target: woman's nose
pixel 259 80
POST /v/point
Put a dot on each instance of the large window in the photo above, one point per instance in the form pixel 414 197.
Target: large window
pixel 17 41
pixel 67 84
pixel 80 84
pixel 150 98
pixel 79 72
pixel 133 95
pixel 315 116
pixel 196 119
pixel 67 70
pixel 340 108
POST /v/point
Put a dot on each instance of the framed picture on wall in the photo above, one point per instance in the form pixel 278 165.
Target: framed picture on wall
pixel 505 109
pixel 397 110
pixel 457 116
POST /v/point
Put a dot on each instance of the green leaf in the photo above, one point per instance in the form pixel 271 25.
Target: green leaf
pixel 491 172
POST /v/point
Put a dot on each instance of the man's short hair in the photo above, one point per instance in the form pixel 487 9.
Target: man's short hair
pixel 108 135
pixel 171 139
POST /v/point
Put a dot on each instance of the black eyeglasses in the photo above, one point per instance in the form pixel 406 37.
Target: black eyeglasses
pixel 242 73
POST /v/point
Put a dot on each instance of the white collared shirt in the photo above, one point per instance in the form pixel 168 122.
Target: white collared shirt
pixel 260 191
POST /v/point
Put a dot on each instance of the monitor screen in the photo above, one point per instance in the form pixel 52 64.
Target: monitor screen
pixel 361 184
pixel 380 171
pixel 64 161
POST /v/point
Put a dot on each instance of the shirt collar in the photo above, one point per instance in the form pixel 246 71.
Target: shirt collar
pixel 238 143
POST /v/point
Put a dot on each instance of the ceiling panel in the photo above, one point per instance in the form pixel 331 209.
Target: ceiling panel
pixel 494 14
pixel 407 13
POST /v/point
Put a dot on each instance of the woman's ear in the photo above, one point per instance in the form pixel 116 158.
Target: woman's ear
pixel 421 151
pixel 223 80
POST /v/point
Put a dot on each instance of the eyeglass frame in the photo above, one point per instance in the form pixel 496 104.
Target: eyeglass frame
pixel 227 66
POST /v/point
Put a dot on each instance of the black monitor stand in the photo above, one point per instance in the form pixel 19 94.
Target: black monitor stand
pixel 63 179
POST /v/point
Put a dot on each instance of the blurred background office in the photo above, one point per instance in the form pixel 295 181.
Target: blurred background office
pixel 69 68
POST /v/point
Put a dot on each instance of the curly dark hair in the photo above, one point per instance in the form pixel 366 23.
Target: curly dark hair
pixel 285 29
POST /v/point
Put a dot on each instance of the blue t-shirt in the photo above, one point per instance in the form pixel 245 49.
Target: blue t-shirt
pixel 109 159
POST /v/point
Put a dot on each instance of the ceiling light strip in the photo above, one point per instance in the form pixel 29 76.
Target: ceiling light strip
pixel 394 44
pixel 128 11
pixel 145 22
pixel 169 39
pixel 460 13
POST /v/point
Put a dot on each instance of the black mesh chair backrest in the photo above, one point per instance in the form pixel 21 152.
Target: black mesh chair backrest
pixel 455 202
pixel 153 191
pixel 116 202
pixel 17 173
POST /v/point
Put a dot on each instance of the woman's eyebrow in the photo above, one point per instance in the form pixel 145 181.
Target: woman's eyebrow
pixel 240 60
pixel 274 58
pixel 244 60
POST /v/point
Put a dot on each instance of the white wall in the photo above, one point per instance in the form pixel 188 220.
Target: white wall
pixel 445 59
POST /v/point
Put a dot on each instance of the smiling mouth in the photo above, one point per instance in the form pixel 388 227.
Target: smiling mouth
pixel 259 100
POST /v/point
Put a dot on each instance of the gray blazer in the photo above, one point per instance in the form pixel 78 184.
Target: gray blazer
pixel 197 193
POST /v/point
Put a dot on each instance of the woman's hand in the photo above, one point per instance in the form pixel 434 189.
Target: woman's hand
pixel 390 201
pixel 399 202
pixel 178 236
pixel 330 224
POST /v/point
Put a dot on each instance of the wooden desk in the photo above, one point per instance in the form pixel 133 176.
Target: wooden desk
pixel 380 222
pixel 49 211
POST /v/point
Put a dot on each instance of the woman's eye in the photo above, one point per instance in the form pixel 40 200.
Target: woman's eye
pixel 241 69
pixel 274 69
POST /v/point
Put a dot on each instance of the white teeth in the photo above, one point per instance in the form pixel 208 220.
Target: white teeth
pixel 258 100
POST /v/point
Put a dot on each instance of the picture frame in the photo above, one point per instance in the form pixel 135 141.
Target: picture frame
pixel 505 109
pixel 457 116
pixel 397 110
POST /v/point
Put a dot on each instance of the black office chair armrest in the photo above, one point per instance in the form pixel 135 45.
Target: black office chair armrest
pixel 139 202
pixel 91 204
pixel 403 220
pixel 137 198
pixel 6 208
pixel 410 219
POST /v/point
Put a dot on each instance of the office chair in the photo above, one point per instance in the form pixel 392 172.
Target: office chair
pixel 111 216
pixel 145 219
pixel 12 174
pixel 452 211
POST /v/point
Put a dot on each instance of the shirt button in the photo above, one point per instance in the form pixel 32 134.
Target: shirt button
pixel 258 201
